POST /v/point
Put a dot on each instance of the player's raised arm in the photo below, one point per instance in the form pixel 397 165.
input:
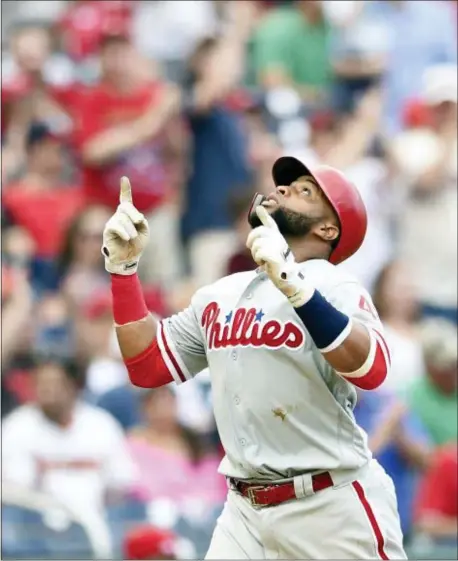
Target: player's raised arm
pixel 155 352
pixel 345 338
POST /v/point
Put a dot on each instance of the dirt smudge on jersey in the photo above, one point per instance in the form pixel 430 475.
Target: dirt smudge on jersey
pixel 281 413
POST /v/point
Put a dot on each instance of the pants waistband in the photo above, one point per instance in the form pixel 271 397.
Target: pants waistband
pixel 303 484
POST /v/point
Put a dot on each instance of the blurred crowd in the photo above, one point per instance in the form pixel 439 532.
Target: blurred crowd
pixel 193 101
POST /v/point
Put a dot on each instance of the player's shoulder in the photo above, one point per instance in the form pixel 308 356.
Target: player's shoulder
pixel 325 276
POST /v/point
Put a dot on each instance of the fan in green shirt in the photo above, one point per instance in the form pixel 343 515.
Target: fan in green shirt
pixel 290 47
pixel 434 396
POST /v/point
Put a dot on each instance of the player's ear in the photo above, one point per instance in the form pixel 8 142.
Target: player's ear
pixel 327 231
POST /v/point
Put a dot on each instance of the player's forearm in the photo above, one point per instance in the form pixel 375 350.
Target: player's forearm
pixel 137 336
pixel 136 330
pixel 354 351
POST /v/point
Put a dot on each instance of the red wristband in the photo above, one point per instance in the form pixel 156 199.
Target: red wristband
pixel 128 301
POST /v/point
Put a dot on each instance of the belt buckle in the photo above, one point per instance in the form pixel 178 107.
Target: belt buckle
pixel 251 494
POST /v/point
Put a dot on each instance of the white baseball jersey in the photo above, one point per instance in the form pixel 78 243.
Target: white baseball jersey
pixel 76 464
pixel 280 408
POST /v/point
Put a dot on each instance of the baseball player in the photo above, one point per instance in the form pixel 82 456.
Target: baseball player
pixel 286 346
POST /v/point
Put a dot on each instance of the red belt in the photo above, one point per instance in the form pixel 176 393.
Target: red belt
pixel 269 495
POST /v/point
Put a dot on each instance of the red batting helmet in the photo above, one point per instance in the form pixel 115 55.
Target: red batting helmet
pixel 343 196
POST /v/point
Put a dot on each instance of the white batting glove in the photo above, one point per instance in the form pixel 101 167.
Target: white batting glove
pixel 125 235
pixel 271 252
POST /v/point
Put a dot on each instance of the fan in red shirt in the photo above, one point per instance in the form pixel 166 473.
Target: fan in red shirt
pixel 40 202
pixel 125 129
pixel 437 503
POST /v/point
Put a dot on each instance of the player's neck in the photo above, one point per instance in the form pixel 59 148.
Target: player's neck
pixel 308 249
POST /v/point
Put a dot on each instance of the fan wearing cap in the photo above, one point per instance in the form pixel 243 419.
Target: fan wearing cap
pixel 149 542
pixel 285 346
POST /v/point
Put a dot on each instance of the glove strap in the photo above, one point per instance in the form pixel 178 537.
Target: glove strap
pixel 128 301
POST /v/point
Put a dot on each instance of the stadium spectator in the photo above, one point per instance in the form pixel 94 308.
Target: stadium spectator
pixel 426 161
pixel 31 57
pixel 17 305
pixel 40 201
pixel 436 509
pixel 123 403
pixel 53 326
pixel 219 158
pixel 42 78
pixel 399 309
pixel 290 47
pixel 359 51
pixel 187 22
pixel 169 456
pixel 400 443
pixel 433 397
pixel 128 126
pixel 79 266
pixel 51 445
pixel 423 34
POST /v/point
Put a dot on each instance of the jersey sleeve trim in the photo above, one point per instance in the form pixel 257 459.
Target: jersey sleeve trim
pixel 376 367
pixel 170 355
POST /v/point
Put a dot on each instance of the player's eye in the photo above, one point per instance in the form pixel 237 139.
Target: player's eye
pixel 306 191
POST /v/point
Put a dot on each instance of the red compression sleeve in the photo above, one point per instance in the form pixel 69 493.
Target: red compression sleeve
pixel 148 369
pixel 128 300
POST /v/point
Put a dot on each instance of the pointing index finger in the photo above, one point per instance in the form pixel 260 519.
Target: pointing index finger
pixel 265 217
pixel 125 195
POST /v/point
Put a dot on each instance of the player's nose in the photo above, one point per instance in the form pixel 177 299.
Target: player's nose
pixel 283 190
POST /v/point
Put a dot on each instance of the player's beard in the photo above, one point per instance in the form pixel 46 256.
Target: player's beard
pixel 291 224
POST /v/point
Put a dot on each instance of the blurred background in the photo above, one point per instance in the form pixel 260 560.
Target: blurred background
pixel 194 100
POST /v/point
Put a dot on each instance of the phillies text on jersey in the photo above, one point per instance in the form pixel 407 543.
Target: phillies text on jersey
pixel 245 327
